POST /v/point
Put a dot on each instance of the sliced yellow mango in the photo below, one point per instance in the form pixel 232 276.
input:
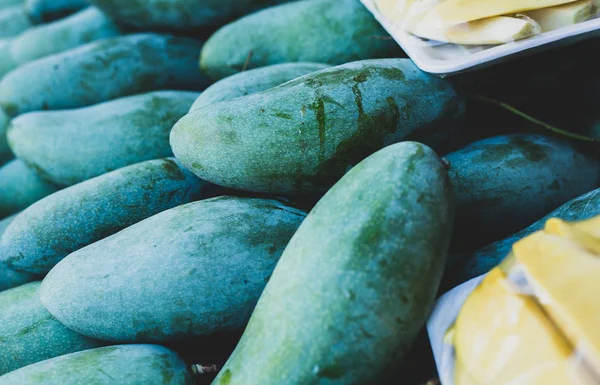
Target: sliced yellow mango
pixel 461 11
pixel 564 271
pixel 500 336
pixel 563 15
pixel 494 30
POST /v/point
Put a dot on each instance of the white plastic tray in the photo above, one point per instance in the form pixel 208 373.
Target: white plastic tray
pixel 447 59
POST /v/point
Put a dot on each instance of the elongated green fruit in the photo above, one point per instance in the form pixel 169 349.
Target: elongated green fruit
pixel 29 333
pixel 13 20
pixel 321 31
pixel 85 213
pixel 71 146
pixel 483 260
pixel 254 81
pixel 504 183
pixel 21 186
pixel 357 281
pixel 5 151
pixel 179 14
pixel 43 11
pixel 303 135
pixel 47 39
pixel 101 71
pixel 120 364
pixel 8 3
pixel 220 253
pixel 8 277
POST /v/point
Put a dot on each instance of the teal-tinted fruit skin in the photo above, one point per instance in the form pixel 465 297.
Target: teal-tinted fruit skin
pixel 79 215
pixel 43 11
pixel 13 21
pixel 218 253
pixel 179 14
pixel 71 146
pixel 321 31
pixel 110 365
pixel 101 71
pixel 47 39
pixel 302 136
pixel 21 186
pixel 9 3
pixel 483 260
pixel 8 277
pixel 357 281
pixel 507 182
pixel 253 81
pixel 29 334
pixel 5 151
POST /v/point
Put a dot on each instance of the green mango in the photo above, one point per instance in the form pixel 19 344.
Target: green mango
pixel 29 334
pixel 220 253
pixel 110 365
pixel 8 277
pixel 506 182
pixel 71 146
pixel 357 281
pixel 9 3
pixel 483 260
pixel 302 136
pixel 13 21
pixel 47 39
pixel 5 151
pixel 179 14
pixel 254 81
pixel 321 31
pixel 101 71
pixel 21 186
pixel 43 11
pixel 77 216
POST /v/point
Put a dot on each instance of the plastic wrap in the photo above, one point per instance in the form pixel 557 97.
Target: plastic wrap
pixel 532 320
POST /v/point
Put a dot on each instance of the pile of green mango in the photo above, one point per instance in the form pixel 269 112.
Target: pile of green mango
pixel 257 192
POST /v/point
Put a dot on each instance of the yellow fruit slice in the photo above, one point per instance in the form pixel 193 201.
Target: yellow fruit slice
pixel 500 335
pixel 563 15
pixel 563 272
pixel 461 11
pixel 494 30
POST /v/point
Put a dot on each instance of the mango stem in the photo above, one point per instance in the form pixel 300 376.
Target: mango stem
pixel 533 120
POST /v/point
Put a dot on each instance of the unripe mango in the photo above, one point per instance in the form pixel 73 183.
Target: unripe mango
pixel 302 136
pixel 71 146
pixel 120 364
pixel 21 186
pixel 5 151
pixel 101 71
pixel 82 214
pixel 13 21
pixel 8 277
pixel 29 333
pixel 321 31
pixel 357 281
pixel 43 11
pixel 254 81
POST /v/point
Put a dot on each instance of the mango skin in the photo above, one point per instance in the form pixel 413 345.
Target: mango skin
pixel 47 39
pixel 321 31
pixel 43 11
pixel 79 215
pixel 29 333
pixel 179 15
pixel 220 253
pixel 21 186
pixel 102 71
pixel 8 3
pixel 13 21
pixel 302 136
pixel 71 146
pixel 5 151
pixel 483 260
pixel 8 277
pixel 507 182
pixel 121 364
pixel 357 281
pixel 254 81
